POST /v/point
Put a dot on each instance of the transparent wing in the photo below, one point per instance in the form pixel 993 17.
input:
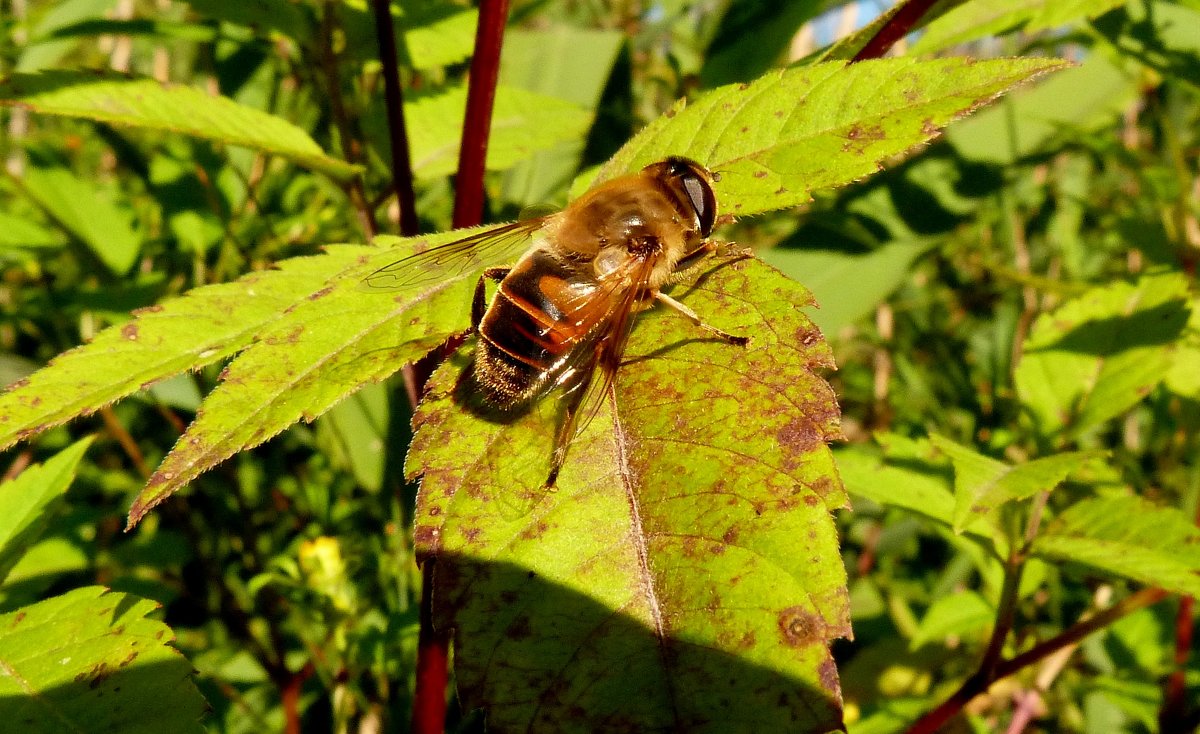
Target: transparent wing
pixel 611 348
pixel 602 352
pixel 495 246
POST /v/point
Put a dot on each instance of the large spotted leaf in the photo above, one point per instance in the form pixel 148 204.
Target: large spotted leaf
pixel 684 575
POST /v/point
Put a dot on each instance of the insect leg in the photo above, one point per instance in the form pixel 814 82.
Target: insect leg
pixel 705 249
pixel 479 302
pixel 690 315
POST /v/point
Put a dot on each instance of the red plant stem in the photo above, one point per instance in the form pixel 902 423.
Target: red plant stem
pixel 433 649
pixel 897 27
pixel 290 689
pixel 433 646
pixel 402 177
pixel 481 94
pixel 1173 714
pixel 978 683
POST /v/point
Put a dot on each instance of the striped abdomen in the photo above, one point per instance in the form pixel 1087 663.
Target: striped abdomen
pixel 539 315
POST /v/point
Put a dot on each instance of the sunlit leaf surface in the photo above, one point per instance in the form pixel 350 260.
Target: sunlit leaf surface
pixel 91 661
pixel 688 543
pixel 146 103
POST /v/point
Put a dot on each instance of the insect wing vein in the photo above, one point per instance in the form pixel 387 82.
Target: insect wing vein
pixel 495 246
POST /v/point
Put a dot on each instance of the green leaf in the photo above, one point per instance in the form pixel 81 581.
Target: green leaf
pixel 91 661
pixel 279 15
pixel 1164 36
pixel 18 232
pixel 206 325
pixel 145 103
pixel 1099 354
pixel 1183 377
pixel 981 18
pixel 982 484
pixel 911 475
pixel 88 212
pixel 27 502
pixel 429 35
pixel 1128 537
pixel 874 275
pixel 684 572
pixel 572 64
pixel 1083 98
pixel 753 37
pixel 522 124
pixel 796 131
pixel 964 613
pixel 327 343
pixel 354 434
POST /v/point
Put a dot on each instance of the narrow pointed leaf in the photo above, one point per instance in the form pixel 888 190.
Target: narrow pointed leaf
pixel 1097 355
pixel 201 327
pixel 981 18
pixel 1128 537
pixel 982 484
pixel 88 211
pixel 27 502
pixel 792 132
pixel 91 661
pixel 324 347
pixel 150 104
pixel 685 573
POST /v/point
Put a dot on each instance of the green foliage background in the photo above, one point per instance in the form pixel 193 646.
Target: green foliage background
pixel 1012 309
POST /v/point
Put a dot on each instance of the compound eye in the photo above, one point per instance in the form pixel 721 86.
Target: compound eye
pixel 701 197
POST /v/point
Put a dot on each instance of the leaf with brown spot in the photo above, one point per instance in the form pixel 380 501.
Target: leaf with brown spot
pixel 691 520
pixel 92 660
pixel 838 123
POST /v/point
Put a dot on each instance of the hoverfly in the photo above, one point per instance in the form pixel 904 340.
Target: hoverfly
pixel 566 308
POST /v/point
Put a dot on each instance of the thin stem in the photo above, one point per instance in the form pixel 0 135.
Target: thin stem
pixel 481 95
pixel 977 683
pixel 128 445
pixel 1080 630
pixel 354 187
pixel 402 177
pixel 897 27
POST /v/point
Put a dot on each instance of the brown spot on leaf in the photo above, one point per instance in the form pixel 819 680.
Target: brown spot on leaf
pixel 800 627
pixel 130 331
pixel 321 293
pixel 860 137
pixel 743 87
pixel 520 629
pixel 799 435
pixel 745 128
pixel 291 337
pixel 760 174
pixel 828 674
pixel 427 538
pixel 147 309
pixel 730 536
